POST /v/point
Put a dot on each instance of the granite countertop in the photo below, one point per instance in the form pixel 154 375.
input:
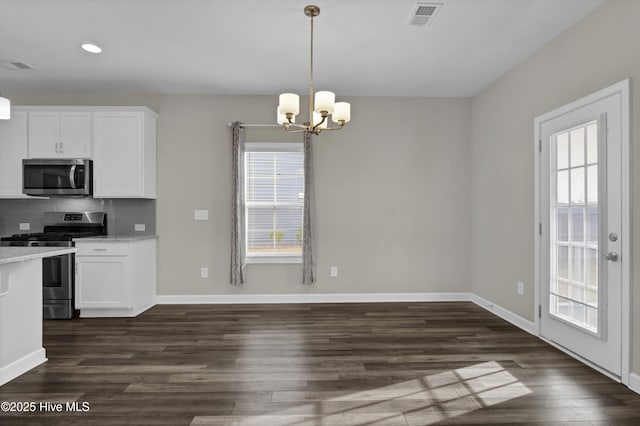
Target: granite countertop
pixel 125 238
pixel 20 254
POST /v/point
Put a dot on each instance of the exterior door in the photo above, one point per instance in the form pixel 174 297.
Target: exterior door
pixel 583 229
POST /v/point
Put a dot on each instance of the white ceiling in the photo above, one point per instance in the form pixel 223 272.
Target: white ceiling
pixel 362 47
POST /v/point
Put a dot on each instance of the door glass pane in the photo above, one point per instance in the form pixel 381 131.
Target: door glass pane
pixel 592 225
pixel 577 147
pixel 577 264
pixel 562 224
pixel 592 318
pixel 562 189
pixel 592 268
pixel 592 184
pixel 577 224
pixel 563 262
pixel 574 234
pixel 577 185
pixel 562 150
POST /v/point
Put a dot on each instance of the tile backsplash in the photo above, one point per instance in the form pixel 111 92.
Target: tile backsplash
pixel 122 214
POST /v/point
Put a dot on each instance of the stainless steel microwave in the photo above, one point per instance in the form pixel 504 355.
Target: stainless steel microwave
pixel 57 177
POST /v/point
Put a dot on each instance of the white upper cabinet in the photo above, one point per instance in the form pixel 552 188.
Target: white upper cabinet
pixel 124 154
pixel 121 141
pixel 13 149
pixel 60 134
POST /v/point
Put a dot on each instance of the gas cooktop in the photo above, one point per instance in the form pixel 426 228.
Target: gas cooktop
pixel 50 236
pixel 62 227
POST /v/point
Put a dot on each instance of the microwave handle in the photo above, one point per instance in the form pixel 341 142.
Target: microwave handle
pixel 72 176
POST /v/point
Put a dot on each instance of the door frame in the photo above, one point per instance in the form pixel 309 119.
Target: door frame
pixel 623 89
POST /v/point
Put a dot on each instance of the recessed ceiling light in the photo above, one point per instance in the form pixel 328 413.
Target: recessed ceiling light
pixel 91 48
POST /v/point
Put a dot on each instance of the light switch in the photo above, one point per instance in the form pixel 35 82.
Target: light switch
pixel 201 214
pixel 25 226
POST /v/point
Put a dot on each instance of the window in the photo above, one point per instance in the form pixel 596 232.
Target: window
pixel 273 202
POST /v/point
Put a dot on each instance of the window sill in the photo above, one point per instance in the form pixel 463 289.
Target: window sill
pixel 272 259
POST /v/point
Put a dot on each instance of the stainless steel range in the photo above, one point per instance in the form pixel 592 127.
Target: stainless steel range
pixel 58 272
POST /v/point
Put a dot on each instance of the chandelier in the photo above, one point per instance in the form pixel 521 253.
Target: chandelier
pixel 321 104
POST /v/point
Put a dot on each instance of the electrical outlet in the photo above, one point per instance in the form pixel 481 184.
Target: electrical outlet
pixel 334 271
pixel 204 272
pixel 520 288
pixel 141 227
pixel 25 226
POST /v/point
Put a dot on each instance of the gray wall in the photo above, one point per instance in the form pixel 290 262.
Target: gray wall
pixel 392 194
pixel 382 212
pixel 597 52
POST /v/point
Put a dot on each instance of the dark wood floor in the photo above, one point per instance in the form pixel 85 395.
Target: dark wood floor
pixel 321 364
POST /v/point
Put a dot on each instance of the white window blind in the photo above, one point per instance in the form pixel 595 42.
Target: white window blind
pixel 274 196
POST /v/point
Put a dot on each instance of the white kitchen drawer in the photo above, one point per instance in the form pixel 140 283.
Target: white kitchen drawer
pixel 102 249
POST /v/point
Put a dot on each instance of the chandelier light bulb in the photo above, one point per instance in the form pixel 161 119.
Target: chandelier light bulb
pixel 289 103
pixel 324 101
pixel 341 112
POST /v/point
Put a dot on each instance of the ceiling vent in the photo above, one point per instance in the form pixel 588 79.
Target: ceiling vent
pixel 423 14
pixel 15 65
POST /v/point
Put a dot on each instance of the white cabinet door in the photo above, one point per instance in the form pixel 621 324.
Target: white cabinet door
pixel 44 134
pixel 13 149
pixel 54 134
pixel 115 278
pixel 75 134
pixel 122 162
pixel 102 282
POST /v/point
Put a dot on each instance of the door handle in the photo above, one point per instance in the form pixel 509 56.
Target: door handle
pixel 613 256
pixel 72 176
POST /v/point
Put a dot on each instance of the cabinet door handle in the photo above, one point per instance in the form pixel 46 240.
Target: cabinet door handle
pixel 57 147
pixel 61 147
pixel 99 249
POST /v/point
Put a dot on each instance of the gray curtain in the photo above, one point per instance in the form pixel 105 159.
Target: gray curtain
pixel 237 225
pixel 307 250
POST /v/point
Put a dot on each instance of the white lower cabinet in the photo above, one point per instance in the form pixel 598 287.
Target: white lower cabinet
pixel 115 278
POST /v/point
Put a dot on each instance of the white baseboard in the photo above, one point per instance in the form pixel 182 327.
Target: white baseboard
pixel 113 312
pixel 312 298
pixel 634 382
pixel 22 365
pixel 505 314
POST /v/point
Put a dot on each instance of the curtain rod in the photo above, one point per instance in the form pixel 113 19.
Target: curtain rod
pixel 230 124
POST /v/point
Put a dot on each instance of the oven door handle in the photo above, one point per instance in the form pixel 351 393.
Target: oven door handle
pixel 72 176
